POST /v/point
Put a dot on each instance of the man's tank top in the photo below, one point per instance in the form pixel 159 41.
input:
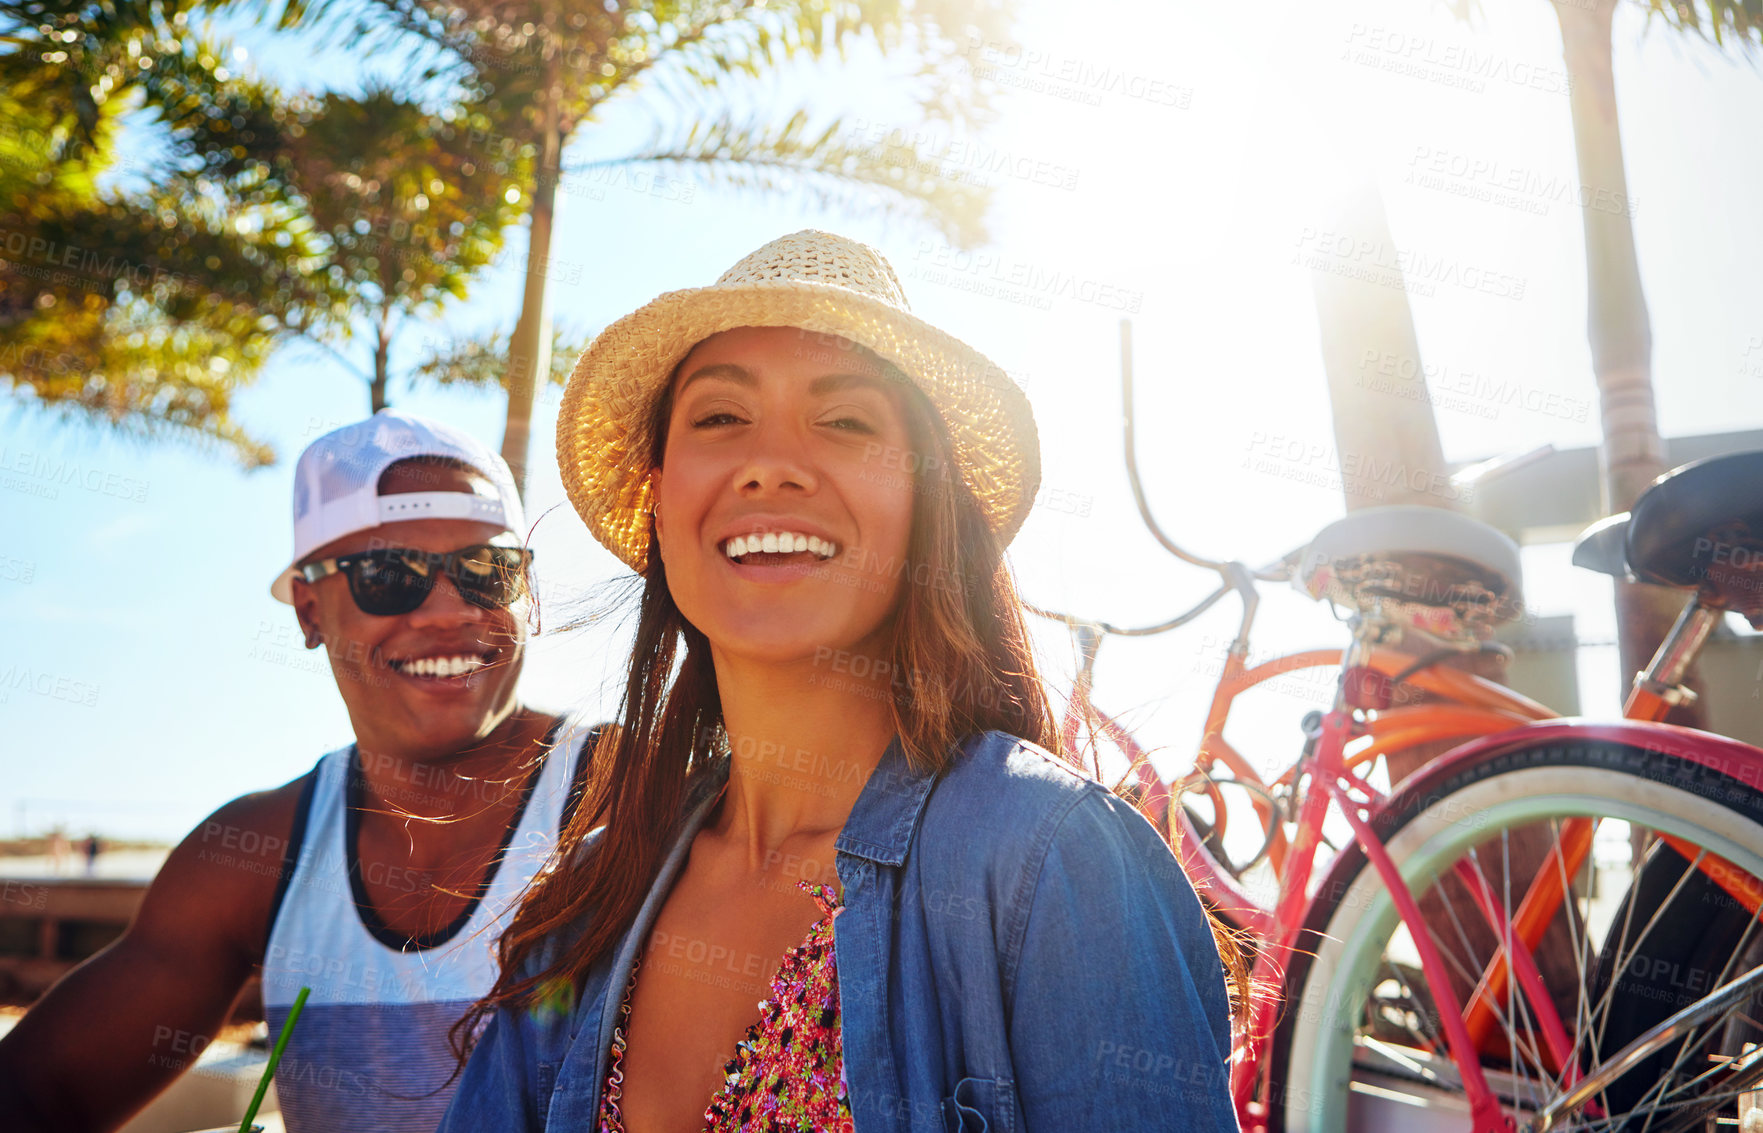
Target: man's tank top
pixel 370 1052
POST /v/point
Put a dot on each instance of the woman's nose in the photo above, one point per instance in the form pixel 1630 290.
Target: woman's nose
pixel 776 460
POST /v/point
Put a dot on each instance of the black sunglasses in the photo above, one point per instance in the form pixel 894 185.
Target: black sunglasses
pixel 398 580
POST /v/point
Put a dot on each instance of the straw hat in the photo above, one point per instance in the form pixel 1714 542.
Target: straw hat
pixel 818 282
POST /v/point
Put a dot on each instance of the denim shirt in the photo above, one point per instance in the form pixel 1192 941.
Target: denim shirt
pixel 1019 949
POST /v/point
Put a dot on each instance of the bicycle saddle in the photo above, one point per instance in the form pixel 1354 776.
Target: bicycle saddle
pixel 1432 567
pixel 1603 547
pixel 1700 527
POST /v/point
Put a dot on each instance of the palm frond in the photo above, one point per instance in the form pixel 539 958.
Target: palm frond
pixel 135 372
pixel 836 166
pixel 1719 22
pixel 482 360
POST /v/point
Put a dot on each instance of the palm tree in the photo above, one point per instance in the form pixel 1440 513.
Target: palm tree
pixel 268 218
pixel 544 71
pixel 404 211
pixel 145 308
pixel 1633 453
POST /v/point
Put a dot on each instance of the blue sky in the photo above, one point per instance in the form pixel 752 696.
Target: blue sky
pixel 1172 158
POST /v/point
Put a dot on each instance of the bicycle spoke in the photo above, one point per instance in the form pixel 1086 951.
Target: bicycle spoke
pixel 1403 1005
pixel 1688 1044
pixel 1754 1059
pixel 1554 994
pixel 1429 1040
pixel 1470 973
pixel 1581 945
pixel 1509 942
pixel 1624 960
pixel 1609 994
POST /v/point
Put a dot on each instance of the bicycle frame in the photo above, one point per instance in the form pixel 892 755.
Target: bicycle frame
pixel 1730 757
pixel 1485 715
pixel 1491 718
pixel 1477 708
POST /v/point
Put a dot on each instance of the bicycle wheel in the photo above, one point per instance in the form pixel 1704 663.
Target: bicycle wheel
pixel 1645 931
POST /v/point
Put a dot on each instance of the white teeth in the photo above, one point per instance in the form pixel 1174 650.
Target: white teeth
pixel 440 666
pixel 779 542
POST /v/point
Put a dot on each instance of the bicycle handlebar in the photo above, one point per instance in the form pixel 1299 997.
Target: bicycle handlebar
pixel 1132 460
pixel 1176 622
pixel 1233 575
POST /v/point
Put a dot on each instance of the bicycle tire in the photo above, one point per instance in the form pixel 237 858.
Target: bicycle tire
pixel 1437 818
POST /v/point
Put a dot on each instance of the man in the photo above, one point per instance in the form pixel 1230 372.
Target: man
pixel 380 879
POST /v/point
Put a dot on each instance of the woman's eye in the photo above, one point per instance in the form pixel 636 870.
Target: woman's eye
pixel 856 424
pixel 713 419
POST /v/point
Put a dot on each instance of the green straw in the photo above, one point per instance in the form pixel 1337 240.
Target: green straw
pixel 275 1056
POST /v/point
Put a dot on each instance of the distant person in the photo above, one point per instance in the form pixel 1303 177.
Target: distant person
pixel 60 851
pixel 378 879
pixel 92 847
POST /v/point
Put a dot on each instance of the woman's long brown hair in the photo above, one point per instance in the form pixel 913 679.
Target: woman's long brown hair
pixel 966 666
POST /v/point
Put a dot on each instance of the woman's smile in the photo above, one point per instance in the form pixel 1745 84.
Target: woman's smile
pixel 778 550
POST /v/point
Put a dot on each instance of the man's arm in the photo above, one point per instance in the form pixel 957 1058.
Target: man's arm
pixel 115 1031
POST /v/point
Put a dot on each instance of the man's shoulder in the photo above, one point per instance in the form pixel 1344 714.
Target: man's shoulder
pixel 258 825
pixel 224 873
pixel 273 806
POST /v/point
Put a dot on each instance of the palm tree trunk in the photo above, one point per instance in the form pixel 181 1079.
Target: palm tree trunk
pixel 1389 452
pixel 529 354
pixel 1386 434
pixel 382 357
pixel 1633 453
pixel 1386 437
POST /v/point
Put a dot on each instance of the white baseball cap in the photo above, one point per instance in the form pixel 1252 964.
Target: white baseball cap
pixel 336 484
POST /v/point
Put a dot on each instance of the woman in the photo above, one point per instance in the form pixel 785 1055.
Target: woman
pixel 816 488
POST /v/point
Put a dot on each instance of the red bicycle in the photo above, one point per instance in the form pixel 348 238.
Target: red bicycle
pixel 1553 925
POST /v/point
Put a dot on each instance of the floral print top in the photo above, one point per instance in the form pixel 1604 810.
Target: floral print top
pixel 788 1072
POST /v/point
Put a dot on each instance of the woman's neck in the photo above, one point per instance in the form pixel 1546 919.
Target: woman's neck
pixel 803 740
